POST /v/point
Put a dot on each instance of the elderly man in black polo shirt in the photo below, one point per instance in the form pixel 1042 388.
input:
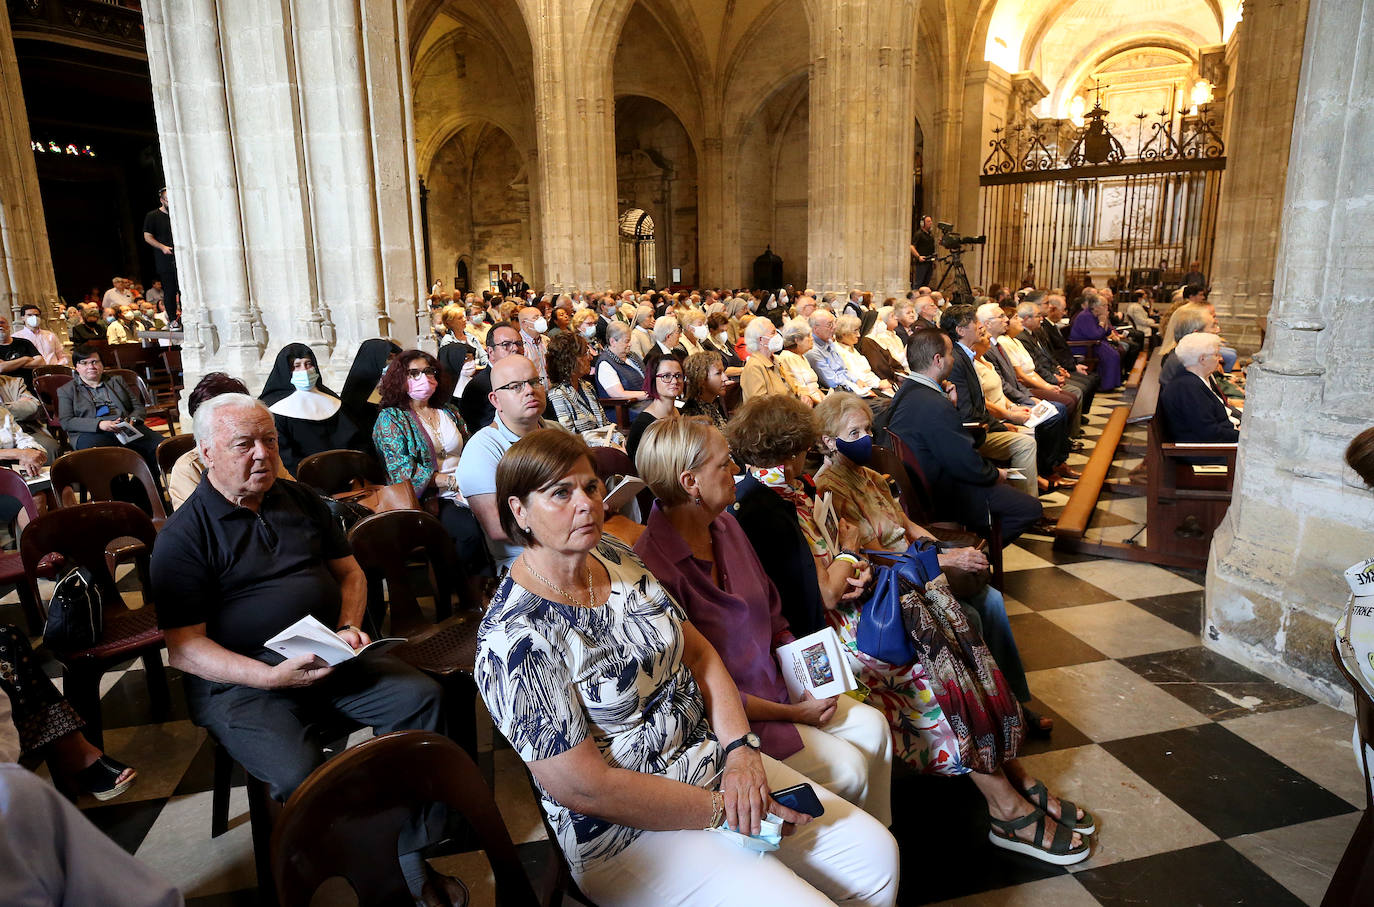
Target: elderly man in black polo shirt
pixel 244 557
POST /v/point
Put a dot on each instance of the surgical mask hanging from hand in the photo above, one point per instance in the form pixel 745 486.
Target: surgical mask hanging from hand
pixel 305 379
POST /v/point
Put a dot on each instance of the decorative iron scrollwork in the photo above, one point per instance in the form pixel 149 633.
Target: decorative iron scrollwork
pixel 1039 145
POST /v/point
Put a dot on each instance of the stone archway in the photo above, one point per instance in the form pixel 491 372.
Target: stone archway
pixel 656 172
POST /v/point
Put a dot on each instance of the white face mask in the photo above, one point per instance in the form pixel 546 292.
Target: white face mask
pixel 589 331
pixel 476 318
pixel 31 320
pixel 540 325
pixel 699 332
pixel 724 337
pixel 775 344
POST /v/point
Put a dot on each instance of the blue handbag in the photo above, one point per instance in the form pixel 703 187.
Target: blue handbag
pixel 882 630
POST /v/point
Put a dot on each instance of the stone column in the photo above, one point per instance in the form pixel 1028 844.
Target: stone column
pixel 574 114
pixel 1259 121
pixel 1298 515
pixel 286 141
pixel 26 274
pixel 987 97
pixel 862 108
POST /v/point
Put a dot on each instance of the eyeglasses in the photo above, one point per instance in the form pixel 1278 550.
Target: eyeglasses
pixel 518 386
pixel 89 363
pixel 670 377
pixel 509 345
pixel 428 372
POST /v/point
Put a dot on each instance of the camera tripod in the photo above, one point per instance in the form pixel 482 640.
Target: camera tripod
pixel 962 294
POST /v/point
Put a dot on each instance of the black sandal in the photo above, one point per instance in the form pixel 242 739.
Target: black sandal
pixel 1058 851
pixel 100 779
pixel 1038 794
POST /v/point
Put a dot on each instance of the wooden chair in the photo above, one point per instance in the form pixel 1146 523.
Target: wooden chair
pixel 610 462
pixel 94 469
pixel 385 546
pixel 346 820
pixel 97 536
pixel 46 387
pixel 620 407
pixel 1353 880
pixel 333 471
pixel 151 405
pixel 921 488
pixel 171 450
pixel 12 570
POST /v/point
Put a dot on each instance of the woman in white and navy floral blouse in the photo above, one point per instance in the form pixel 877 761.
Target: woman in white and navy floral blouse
pixel 619 706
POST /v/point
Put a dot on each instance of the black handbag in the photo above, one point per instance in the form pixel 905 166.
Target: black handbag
pixel 76 619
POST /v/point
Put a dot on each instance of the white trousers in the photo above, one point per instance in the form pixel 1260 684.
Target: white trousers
pixel 851 756
pixel 844 857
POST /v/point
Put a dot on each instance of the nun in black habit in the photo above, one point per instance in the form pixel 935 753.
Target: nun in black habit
pixel 310 417
pixel 360 397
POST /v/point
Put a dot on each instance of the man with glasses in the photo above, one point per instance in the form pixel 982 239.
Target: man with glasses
pixel 475 406
pixel 100 410
pixel 519 398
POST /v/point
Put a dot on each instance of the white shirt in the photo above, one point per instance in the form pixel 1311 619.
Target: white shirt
pixel 49 347
pixel 115 298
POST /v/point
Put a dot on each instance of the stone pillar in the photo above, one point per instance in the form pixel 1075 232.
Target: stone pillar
pixel 1259 121
pixel 290 164
pixel 1298 515
pixel 987 97
pixel 26 274
pixel 862 108
pixel 574 114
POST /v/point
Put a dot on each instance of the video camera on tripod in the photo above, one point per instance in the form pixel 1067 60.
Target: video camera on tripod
pixel 954 242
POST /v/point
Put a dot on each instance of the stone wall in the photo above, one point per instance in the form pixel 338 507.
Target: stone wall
pixel 1298 515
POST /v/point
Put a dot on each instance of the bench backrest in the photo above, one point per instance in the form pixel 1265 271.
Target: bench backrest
pixel 1147 395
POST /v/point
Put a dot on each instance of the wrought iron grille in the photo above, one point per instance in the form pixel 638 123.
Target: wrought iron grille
pixel 1075 201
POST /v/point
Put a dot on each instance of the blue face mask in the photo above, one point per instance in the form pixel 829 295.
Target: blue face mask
pixel 859 451
pixel 306 380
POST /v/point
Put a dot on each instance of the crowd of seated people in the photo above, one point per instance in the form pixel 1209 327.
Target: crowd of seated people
pixel 638 678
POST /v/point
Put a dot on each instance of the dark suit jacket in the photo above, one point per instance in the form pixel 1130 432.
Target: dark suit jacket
pixel 1193 413
pixel 932 428
pixel 1169 369
pixel 771 525
pixel 601 322
pixel 1045 365
pixel 1058 347
pixel 972 405
pixel 474 407
pixel 76 406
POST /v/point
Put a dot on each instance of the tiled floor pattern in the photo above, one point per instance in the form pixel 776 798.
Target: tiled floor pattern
pixel 1211 784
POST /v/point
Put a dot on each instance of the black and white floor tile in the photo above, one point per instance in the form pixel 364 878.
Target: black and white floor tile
pixel 1211 784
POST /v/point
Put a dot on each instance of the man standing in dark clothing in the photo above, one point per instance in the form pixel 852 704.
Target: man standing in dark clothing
pixel 157 232
pixel 923 250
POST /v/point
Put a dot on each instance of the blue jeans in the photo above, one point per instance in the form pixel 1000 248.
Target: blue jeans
pixel 1228 359
pixel 995 627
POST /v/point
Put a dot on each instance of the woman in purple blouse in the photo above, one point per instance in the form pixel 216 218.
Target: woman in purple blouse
pixel 1092 324
pixel 699 554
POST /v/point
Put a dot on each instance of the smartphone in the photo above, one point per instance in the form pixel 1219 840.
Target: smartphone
pixel 801 798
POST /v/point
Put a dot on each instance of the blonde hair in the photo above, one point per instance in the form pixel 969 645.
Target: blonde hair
pixel 450 313
pixel 667 449
pixel 835 410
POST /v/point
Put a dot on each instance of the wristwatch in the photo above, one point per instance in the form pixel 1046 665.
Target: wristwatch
pixel 750 740
pixel 348 627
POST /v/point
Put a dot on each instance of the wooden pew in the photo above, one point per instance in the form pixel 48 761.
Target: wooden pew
pixel 1184 504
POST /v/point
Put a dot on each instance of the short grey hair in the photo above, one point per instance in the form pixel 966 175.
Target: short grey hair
pixel 207 418
pixel 819 316
pixel 794 330
pixel 846 324
pixel 665 327
pixel 755 332
pixel 1192 347
pixel 988 311
pixel 616 330
pixel 1027 310
pixel 642 314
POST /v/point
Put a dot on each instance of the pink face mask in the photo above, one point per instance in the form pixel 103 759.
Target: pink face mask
pixel 421 388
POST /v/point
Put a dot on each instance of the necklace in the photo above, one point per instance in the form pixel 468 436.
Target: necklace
pixel 591 594
pixel 432 424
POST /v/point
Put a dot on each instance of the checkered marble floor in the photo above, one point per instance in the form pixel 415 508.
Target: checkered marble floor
pixel 1211 784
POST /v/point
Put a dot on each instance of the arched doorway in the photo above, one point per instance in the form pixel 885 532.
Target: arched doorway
pixel 638 256
pixel 656 174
